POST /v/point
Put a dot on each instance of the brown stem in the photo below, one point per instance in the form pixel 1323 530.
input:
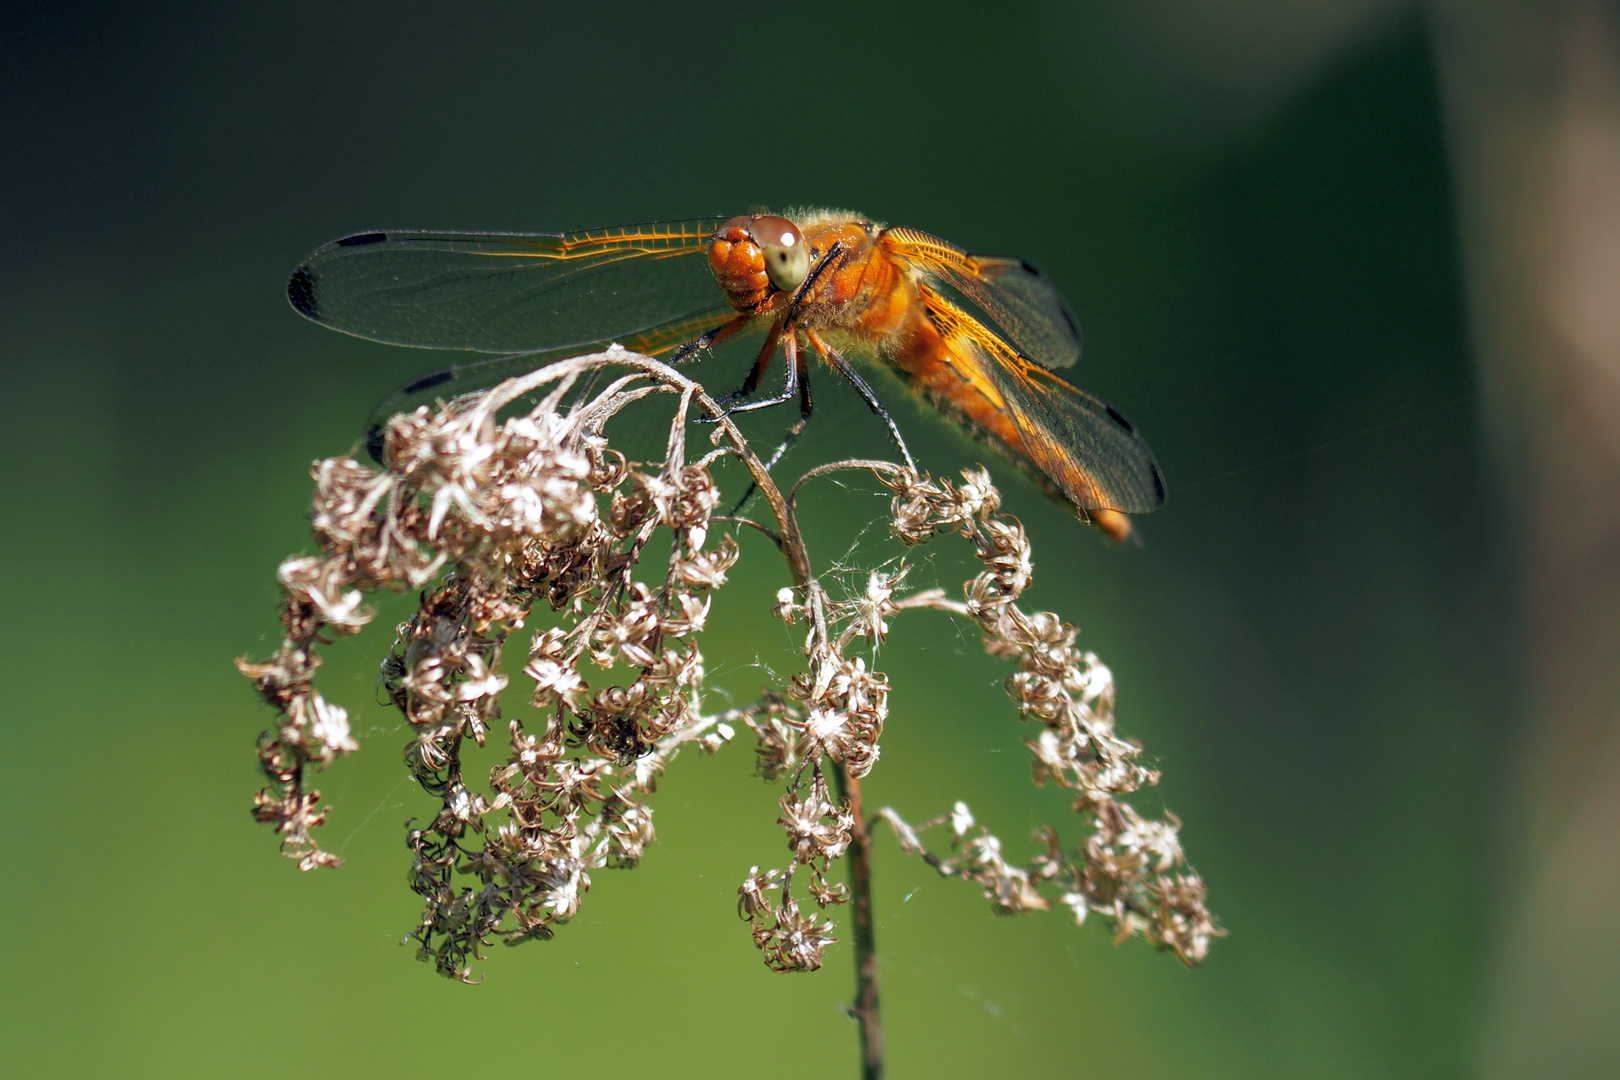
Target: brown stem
pixel 791 543
pixel 860 888
pixel 841 466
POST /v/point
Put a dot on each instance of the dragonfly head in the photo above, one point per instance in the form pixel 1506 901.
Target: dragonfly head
pixel 757 256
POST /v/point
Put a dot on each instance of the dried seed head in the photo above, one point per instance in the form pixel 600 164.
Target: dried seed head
pixel 492 521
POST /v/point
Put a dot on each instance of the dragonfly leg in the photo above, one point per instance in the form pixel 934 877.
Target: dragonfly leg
pixel 826 262
pixel 799 373
pixel 708 340
pixel 770 462
pixel 757 372
pixel 791 385
pixel 862 387
pixel 807 404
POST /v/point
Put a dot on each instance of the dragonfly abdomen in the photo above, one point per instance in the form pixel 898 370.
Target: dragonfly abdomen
pixel 928 360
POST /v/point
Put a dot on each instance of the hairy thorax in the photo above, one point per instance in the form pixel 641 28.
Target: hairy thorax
pixel 862 292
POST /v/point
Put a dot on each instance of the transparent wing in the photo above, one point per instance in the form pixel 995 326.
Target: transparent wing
pixel 1083 446
pixel 1017 299
pixel 512 292
pixel 457 379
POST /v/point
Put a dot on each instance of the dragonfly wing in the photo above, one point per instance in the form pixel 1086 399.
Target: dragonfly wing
pixel 1087 447
pixel 1019 301
pixel 1084 446
pixel 453 380
pixel 512 292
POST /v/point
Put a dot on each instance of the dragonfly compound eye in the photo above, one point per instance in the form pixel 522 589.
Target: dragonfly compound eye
pixel 787 257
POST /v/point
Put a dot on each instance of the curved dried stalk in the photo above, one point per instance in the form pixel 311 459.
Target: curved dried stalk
pixel 496 518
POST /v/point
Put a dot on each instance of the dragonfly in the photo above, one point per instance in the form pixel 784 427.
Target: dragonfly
pixel 982 337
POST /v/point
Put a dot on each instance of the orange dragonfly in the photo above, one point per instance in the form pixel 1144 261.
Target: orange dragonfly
pixel 981 336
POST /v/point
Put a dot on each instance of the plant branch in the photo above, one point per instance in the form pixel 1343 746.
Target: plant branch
pixel 507 513
pixel 867 1014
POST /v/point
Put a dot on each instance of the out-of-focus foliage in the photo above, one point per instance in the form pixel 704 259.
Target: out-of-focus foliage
pixel 1311 641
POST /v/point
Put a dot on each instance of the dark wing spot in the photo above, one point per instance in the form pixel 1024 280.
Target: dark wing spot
pixel 301 293
pixel 1030 268
pixel 1119 419
pixel 427 382
pixel 1074 324
pixel 359 239
pixel 1158 483
pixel 374 442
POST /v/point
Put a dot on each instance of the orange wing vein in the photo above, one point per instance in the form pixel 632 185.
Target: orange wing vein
pixel 1082 445
pixel 1019 300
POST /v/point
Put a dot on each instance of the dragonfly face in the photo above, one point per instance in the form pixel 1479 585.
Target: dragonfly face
pixel 980 336
pixel 756 256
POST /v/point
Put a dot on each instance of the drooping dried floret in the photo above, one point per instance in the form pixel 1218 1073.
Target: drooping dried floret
pixel 1123 869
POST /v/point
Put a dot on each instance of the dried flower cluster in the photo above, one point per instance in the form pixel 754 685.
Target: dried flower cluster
pixel 1129 868
pixel 489 517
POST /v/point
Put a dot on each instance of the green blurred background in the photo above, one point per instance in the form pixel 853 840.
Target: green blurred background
pixel 1316 643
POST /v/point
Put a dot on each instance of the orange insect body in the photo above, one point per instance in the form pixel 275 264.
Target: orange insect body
pixel 876 296
pixel 978 335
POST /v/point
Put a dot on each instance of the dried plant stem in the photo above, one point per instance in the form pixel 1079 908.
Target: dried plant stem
pixel 867 1013
pixel 790 541
pixel 488 518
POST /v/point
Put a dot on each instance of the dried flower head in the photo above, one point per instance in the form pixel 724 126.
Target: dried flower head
pixel 494 513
